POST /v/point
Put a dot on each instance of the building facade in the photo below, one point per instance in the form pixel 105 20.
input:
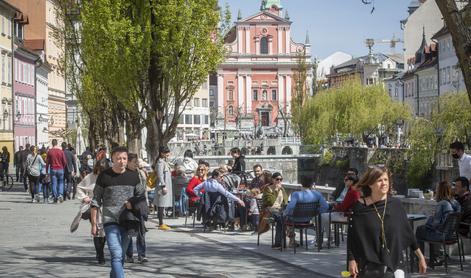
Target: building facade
pixel 425 16
pixel 39 36
pixel 371 69
pixel 24 96
pixel 7 17
pixel 194 121
pixel 255 82
pixel 450 74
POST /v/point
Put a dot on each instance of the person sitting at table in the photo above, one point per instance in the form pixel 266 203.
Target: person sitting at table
pixel 257 181
pixel 306 195
pixel 432 229
pixel 463 196
pixel 341 190
pixel 273 200
pixel 200 176
pixel 213 184
pixel 339 209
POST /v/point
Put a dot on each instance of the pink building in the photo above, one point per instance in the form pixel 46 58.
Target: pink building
pixel 24 97
pixel 255 81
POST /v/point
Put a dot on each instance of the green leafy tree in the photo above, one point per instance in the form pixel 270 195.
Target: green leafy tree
pixel 428 138
pixel 350 110
pixel 148 58
pixel 300 94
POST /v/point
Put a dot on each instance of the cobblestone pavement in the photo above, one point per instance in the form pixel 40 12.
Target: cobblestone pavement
pixel 35 242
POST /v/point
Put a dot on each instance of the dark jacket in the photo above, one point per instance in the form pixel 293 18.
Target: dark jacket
pixel 133 220
pixel 71 164
pixel 465 202
pixel 239 165
pixel 217 208
pixel 338 190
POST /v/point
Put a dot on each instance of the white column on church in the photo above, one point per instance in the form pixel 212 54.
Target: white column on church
pixel 288 93
pixel 248 99
pixel 257 46
pixel 270 46
pixel 281 91
pixel 247 40
pixel 288 40
pixel 221 93
pixel 280 39
pixel 239 40
pixel 240 92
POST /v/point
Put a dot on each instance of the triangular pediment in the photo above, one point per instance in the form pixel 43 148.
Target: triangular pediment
pixel 264 16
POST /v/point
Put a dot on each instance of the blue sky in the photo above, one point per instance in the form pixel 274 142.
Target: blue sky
pixel 337 25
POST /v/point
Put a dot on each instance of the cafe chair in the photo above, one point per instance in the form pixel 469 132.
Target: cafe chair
pixel 270 220
pixel 450 237
pixel 303 211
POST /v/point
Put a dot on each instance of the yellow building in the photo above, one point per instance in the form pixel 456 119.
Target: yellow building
pixel 56 79
pixel 7 14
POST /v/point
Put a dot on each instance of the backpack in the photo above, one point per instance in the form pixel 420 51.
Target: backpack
pixel 30 170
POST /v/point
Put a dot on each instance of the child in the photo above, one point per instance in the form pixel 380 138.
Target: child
pixel 254 214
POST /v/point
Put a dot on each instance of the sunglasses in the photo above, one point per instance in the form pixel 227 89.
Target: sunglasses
pixel 278 179
pixel 200 169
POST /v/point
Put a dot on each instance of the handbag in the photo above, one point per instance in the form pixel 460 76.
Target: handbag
pixel 30 170
pixel 374 270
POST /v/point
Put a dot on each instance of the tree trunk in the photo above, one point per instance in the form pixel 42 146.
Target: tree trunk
pixel 461 35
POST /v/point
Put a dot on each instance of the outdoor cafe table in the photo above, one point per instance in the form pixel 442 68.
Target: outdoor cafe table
pixel 412 219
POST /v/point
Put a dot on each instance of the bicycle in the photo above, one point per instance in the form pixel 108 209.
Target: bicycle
pixel 7 183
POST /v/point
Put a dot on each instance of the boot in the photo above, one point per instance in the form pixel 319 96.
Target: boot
pixel 99 243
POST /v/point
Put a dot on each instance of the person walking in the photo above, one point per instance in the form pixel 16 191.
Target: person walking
pixel 114 188
pixel 34 163
pixel 85 195
pixel 17 164
pixel 5 158
pixel 133 165
pixel 55 165
pixel 379 232
pixel 23 157
pixel 164 188
pixel 69 171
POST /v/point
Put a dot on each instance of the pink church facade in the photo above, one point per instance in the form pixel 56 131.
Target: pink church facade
pixel 256 81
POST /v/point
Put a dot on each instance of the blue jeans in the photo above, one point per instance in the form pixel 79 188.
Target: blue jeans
pixel 57 180
pixel 118 241
pixel 140 245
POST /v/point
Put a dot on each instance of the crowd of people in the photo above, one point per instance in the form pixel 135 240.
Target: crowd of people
pixel 118 191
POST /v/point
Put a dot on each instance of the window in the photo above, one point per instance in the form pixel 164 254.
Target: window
pixel 196 119
pixel 273 94
pixel 19 30
pixel 206 119
pixel 211 92
pixel 230 95
pixel 230 110
pixel 211 103
pixel 3 25
pixel 9 28
pixel 188 119
pixel 9 70
pixel 255 94
pixel 196 102
pixel 264 45
pixel 3 67
pixel 264 95
pixel 204 102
